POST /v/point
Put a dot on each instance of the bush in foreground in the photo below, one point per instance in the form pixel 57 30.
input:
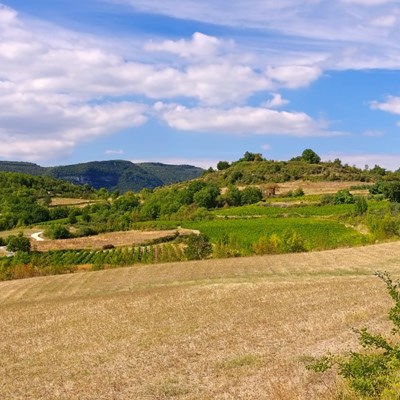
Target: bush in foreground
pixel 375 373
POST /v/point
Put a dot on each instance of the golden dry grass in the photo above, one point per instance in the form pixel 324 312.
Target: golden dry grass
pixel 66 201
pixel 319 187
pixel 220 329
pixel 118 239
pixel 314 188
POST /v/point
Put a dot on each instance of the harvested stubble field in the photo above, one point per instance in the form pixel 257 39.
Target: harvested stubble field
pixel 220 329
pixel 117 239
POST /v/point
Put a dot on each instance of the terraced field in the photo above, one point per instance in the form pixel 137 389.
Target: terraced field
pixel 220 329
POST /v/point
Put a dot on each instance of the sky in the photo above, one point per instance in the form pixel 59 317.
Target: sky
pixel 196 82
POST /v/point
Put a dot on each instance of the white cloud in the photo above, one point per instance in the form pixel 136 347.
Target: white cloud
pixel 392 105
pixel 276 101
pixel 200 46
pixel 241 121
pixel 70 91
pixel 294 76
pixel 319 29
pixel 367 2
pixel 51 127
pixel 266 147
pixel 114 152
pixel 48 90
pixel 384 21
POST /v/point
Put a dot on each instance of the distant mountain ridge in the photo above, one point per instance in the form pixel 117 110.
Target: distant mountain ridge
pixel 113 175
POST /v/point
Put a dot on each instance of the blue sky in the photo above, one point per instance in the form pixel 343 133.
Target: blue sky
pixel 197 82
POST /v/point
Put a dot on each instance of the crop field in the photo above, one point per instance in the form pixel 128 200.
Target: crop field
pixel 286 211
pixel 318 234
pixel 209 330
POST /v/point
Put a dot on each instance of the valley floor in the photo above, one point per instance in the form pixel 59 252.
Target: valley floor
pixel 221 329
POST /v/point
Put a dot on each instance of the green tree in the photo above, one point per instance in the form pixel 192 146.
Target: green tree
pixel 233 196
pixel 72 216
pixel 343 197
pixel 198 247
pixel 207 197
pixel 251 195
pixel 223 165
pixel 310 156
pixel 391 191
pixel 360 205
pixel 18 243
pixel 251 157
pixel 57 231
pixel 378 170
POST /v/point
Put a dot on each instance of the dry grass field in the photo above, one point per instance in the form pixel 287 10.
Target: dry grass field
pixel 76 202
pixel 117 239
pixel 315 188
pixel 221 329
pixel 319 187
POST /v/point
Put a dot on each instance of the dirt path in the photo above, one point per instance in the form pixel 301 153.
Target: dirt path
pixel 36 236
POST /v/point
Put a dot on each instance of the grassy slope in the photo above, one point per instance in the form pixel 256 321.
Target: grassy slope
pixel 220 329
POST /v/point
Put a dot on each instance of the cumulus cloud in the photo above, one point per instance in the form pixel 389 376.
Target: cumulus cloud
pixel 64 89
pixel 241 121
pixel 49 91
pixel 293 76
pixel 277 101
pixel 391 105
pixel 33 128
pixel 200 46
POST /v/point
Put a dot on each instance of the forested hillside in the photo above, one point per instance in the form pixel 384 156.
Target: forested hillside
pixel 25 199
pixel 116 175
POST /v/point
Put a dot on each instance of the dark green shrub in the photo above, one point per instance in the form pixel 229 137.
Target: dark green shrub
pixel 375 372
pixel 360 205
pixel 57 232
pixel 18 243
pixel 251 195
pixel 299 192
pixel 327 199
pixel 343 197
pixel 198 247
